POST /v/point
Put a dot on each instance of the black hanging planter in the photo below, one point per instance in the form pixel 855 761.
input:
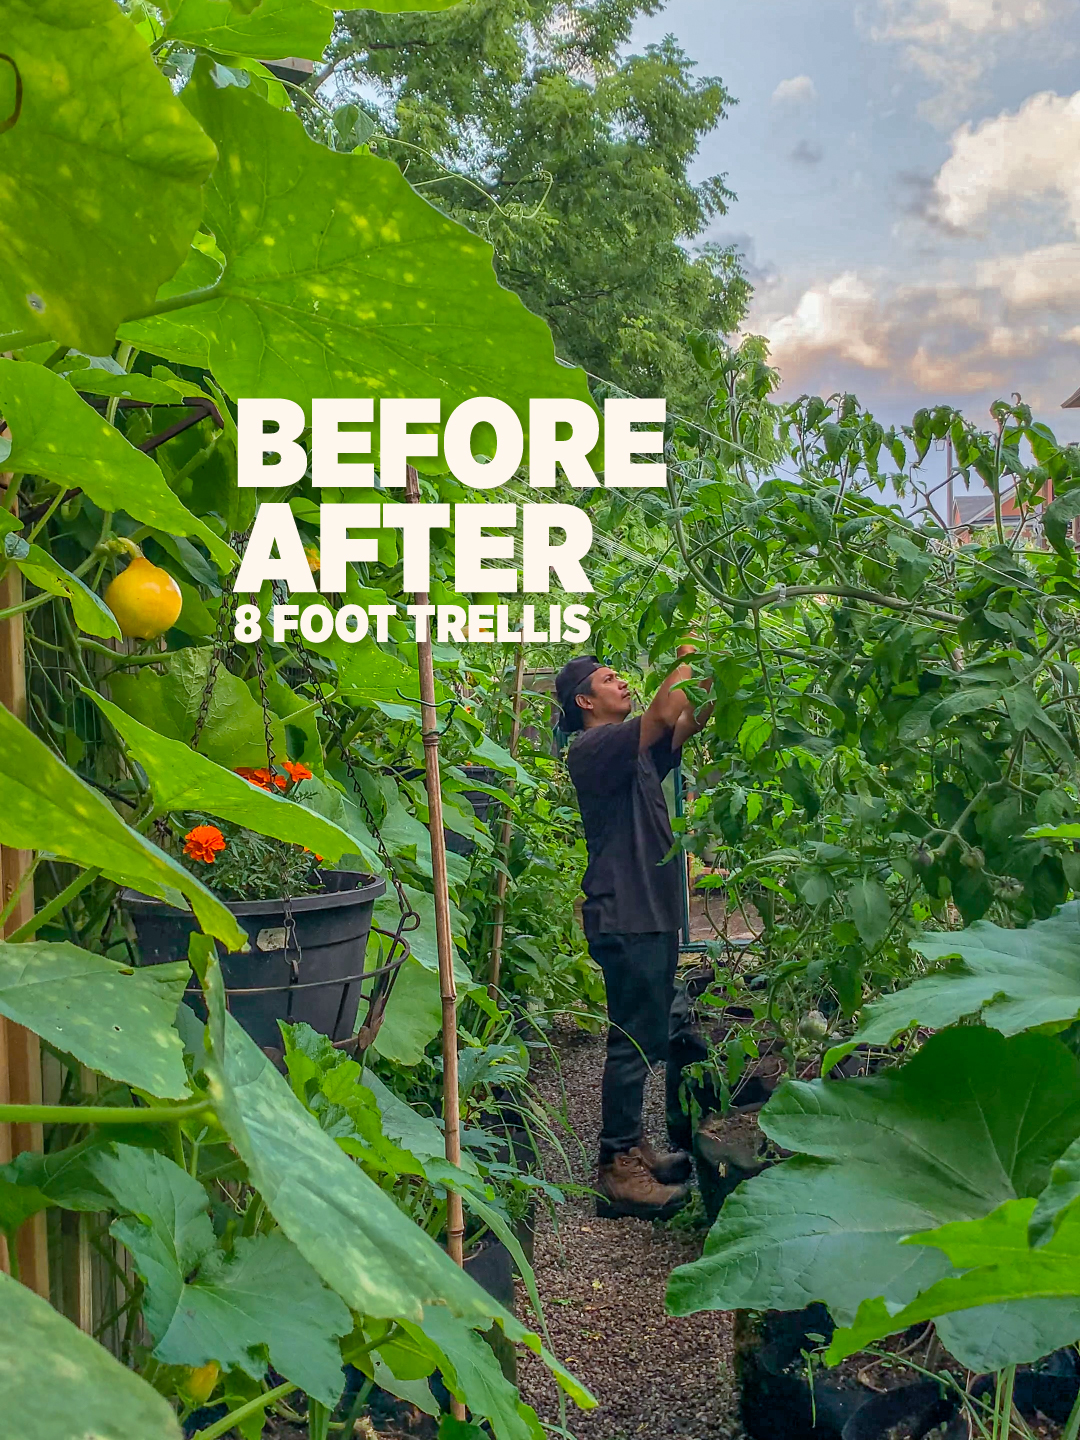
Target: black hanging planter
pixel 305 961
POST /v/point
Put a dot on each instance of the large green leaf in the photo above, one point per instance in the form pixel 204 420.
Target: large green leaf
pixel 1014 979
pixel 340 280
pixel 182 779
pixel 35 1181
pixel 972 1121
pixel 55 433
pixel 273 30
pixel 169 703
pixel 47 807
pixel 203 1305
pixel 101 175
pixel 472 1373
pixel 364 1247
pixel 58 1384
pixel 112 1018
pixel 1001 1270
pixel 413 1015
pixel 91 613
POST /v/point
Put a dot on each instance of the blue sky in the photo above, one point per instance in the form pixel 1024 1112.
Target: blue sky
pixel 908 182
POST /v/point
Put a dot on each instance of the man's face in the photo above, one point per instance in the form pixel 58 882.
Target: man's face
pixel 608 699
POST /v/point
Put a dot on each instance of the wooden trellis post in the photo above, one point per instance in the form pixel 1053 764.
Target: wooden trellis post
pixel 20 1053
pixel 499 913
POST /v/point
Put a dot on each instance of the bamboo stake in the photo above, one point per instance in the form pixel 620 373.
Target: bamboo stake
pixel 503 880
pixel 455 1225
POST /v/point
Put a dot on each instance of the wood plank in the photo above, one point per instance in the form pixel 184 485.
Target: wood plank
pixel 20 1052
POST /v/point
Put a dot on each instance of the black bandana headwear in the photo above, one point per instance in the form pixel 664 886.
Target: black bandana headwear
pixel 573 680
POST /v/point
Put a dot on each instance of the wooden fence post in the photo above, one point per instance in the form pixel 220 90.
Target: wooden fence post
pixel 20 1053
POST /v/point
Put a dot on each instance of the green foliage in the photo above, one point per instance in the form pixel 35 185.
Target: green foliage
pixel 181 779
pixel 57 435
pixel 63 1385
pixel 1013 979
pixel 167 701
pixel 1000 1268
pixel 260 1302
pixel 47 807
pixel 102 174
pixel 346 302
pixel 109 1017
pixel 537 130
pixel 972 1121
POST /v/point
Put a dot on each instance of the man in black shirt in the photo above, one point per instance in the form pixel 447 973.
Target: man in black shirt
pixel 632 911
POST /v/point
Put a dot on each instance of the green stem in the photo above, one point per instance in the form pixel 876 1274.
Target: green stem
pixel 11 494
pixel 119 659
pixel 244 1412
pixel 46 913
pixel 101 1114
pixel 18 339
pixel 49 513
pixel 13 900
pixel 1003 1408
pixel 25 606
pixel 1072 1427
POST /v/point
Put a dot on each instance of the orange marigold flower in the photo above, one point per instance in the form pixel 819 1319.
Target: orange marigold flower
pixel 255 777
pixel 203 843
pixel 297 772
pixel 262 778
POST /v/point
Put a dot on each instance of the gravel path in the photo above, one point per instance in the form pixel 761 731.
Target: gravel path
pixel 602 1283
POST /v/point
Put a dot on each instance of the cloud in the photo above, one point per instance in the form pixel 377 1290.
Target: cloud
pixel 806 152
pixel 799 90
pixel 954 43
pixel 999 166
pixel 1010 327
pixel 965 326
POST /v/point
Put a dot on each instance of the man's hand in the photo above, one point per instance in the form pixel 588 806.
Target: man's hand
pixel 670 712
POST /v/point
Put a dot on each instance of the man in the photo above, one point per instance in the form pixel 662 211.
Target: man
pixel 632 911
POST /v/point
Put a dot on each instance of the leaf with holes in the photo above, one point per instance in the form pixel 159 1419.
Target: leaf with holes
pixel 90 612
pixel 101 175
pixel 112 1018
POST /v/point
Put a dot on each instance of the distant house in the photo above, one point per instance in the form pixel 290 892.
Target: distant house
pixel 974 511
pixel 1073 402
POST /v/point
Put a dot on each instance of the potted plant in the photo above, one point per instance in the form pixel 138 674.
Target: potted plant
pixel 307 927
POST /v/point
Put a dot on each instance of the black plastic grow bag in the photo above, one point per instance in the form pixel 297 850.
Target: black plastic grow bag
pixel 305 962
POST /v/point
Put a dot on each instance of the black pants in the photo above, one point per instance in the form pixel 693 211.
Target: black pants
pixel 648 1024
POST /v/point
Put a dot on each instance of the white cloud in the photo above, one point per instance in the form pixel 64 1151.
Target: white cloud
pixel 1004 322
pixel 1009 328
pixel 1000 166
pixel 799 90
pixel 954 43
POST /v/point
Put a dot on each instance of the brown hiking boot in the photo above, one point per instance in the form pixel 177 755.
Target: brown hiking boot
pixel 671 1167
pixel 628 1187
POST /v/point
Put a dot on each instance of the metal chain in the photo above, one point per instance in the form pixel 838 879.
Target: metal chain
pixel 410 919
pixel 223 641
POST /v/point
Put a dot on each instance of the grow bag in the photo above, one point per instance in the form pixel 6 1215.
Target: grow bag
pixel 481 803
pixel 305 962
pixel 777 1401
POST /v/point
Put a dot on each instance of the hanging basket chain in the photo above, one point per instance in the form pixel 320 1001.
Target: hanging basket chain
pixel 410 919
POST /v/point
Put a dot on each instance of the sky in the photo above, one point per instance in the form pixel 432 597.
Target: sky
pixel 908 183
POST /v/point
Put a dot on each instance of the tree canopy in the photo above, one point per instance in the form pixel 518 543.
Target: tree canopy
pixel 528 121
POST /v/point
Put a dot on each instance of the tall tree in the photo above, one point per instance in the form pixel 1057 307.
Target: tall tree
pixel 527 120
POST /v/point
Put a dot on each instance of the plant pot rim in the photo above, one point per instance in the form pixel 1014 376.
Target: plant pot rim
pixel 367 890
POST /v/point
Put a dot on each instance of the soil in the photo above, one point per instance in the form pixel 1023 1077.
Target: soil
pixel 602 1283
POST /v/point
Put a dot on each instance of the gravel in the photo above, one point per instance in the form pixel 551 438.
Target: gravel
pixel 602 1283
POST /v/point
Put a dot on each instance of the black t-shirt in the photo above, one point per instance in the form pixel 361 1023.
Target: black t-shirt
pixel 628 889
